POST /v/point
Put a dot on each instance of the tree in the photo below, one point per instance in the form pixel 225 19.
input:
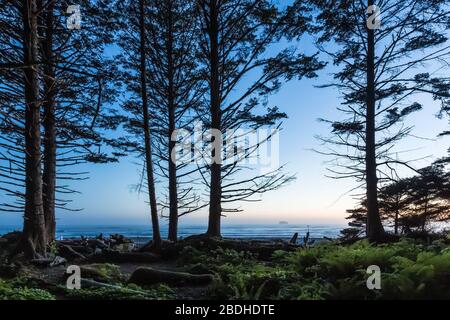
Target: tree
pixel 393 202
pixel 76 92
pixel 133 40
pixel 428 198
pixel 146 120
pixel 381 73
pixel 410 204
pixel 175 92
pixel 33 241
pixel 71 106
pixel 236 36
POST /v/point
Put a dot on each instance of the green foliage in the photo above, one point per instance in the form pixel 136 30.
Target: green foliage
pixel 426 277
pixel 129 292
pixel 239 275
pixel 105 272
pixel 410 270
pixel 10 291
pixel 53 249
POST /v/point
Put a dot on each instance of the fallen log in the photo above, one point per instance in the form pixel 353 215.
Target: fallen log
pixel 149 276
pixel 115 256
pixel 263 249
pixel 88 283
pixel 69 253
pixel 48 262
pixel 41 262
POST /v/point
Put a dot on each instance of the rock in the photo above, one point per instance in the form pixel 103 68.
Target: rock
pixel 149 276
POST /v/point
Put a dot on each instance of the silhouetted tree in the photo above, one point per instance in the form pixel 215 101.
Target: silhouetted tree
pixel 73 89
pixel 34 239
pixel 77 90
pixel 175 92
pixel 382 70
pixel 132 19
pixel 235 42
pixel 410 204
pixel 428 198
pixel 393 201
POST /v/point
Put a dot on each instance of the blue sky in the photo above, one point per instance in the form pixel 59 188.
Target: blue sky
pixel 107 197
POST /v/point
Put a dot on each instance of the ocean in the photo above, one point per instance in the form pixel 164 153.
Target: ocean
pixel 142 232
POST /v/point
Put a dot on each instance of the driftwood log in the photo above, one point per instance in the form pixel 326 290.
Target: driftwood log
pixel 294 238
pixel 69 253
pixel 149 276
pixel 89 283
pixel 263 249
pixel 115 256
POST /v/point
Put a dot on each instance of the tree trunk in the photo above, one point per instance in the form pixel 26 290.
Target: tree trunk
pixel 148 142
pixel 425 213
pixel 375 229
pixel 215 209
pixel 49 104
pixel 397 213
pixel 173 197
pixel 33 242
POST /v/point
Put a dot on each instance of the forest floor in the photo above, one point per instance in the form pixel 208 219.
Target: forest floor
pixel 197 268
pixel 56 276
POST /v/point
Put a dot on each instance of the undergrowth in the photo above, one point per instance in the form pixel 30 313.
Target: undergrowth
pixel 409 270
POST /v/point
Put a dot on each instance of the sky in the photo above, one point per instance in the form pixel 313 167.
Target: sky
pixel 108 196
